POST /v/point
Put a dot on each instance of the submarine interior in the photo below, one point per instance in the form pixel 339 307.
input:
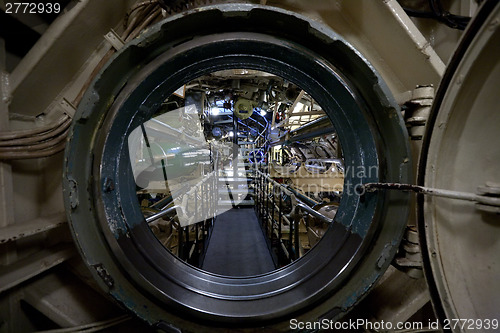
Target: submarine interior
pixel 249 166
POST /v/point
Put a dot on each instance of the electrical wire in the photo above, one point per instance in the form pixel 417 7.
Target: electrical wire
pixel 50 139
pixel 26 154
pixel 136 7
pixel 154 13
pixel 10 135
pixel 140 10
pixel 37 146
pixel 34 139
pixel 440 14
pixel 41 142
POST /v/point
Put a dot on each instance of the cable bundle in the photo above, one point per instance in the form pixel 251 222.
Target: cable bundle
pixel 176 6
pixel 438 13
pixel 35 143
pixel 50 139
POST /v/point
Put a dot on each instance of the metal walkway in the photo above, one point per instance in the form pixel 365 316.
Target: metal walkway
pixel 237 246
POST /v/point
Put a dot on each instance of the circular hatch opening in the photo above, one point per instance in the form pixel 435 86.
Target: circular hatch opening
pixel 200 167
pixel 111 230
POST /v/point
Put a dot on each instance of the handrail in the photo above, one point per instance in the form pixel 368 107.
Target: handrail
pixel 301 204
pixel 161 213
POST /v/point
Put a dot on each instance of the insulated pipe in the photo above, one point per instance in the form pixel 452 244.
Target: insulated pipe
pixel 323 121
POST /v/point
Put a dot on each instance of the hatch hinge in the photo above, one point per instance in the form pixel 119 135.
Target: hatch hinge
pixel 417 110
pixel 409 257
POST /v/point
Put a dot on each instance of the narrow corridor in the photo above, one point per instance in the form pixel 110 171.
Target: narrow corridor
pixel 237 246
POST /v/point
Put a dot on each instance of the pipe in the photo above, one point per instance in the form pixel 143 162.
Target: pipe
pixel 312 134
pixel 326 160
pixel 163 202
pixel 161 213
pixel 302 197
pixel 317 127
pixel 313 212
pixel 300 200
pixel 312 124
